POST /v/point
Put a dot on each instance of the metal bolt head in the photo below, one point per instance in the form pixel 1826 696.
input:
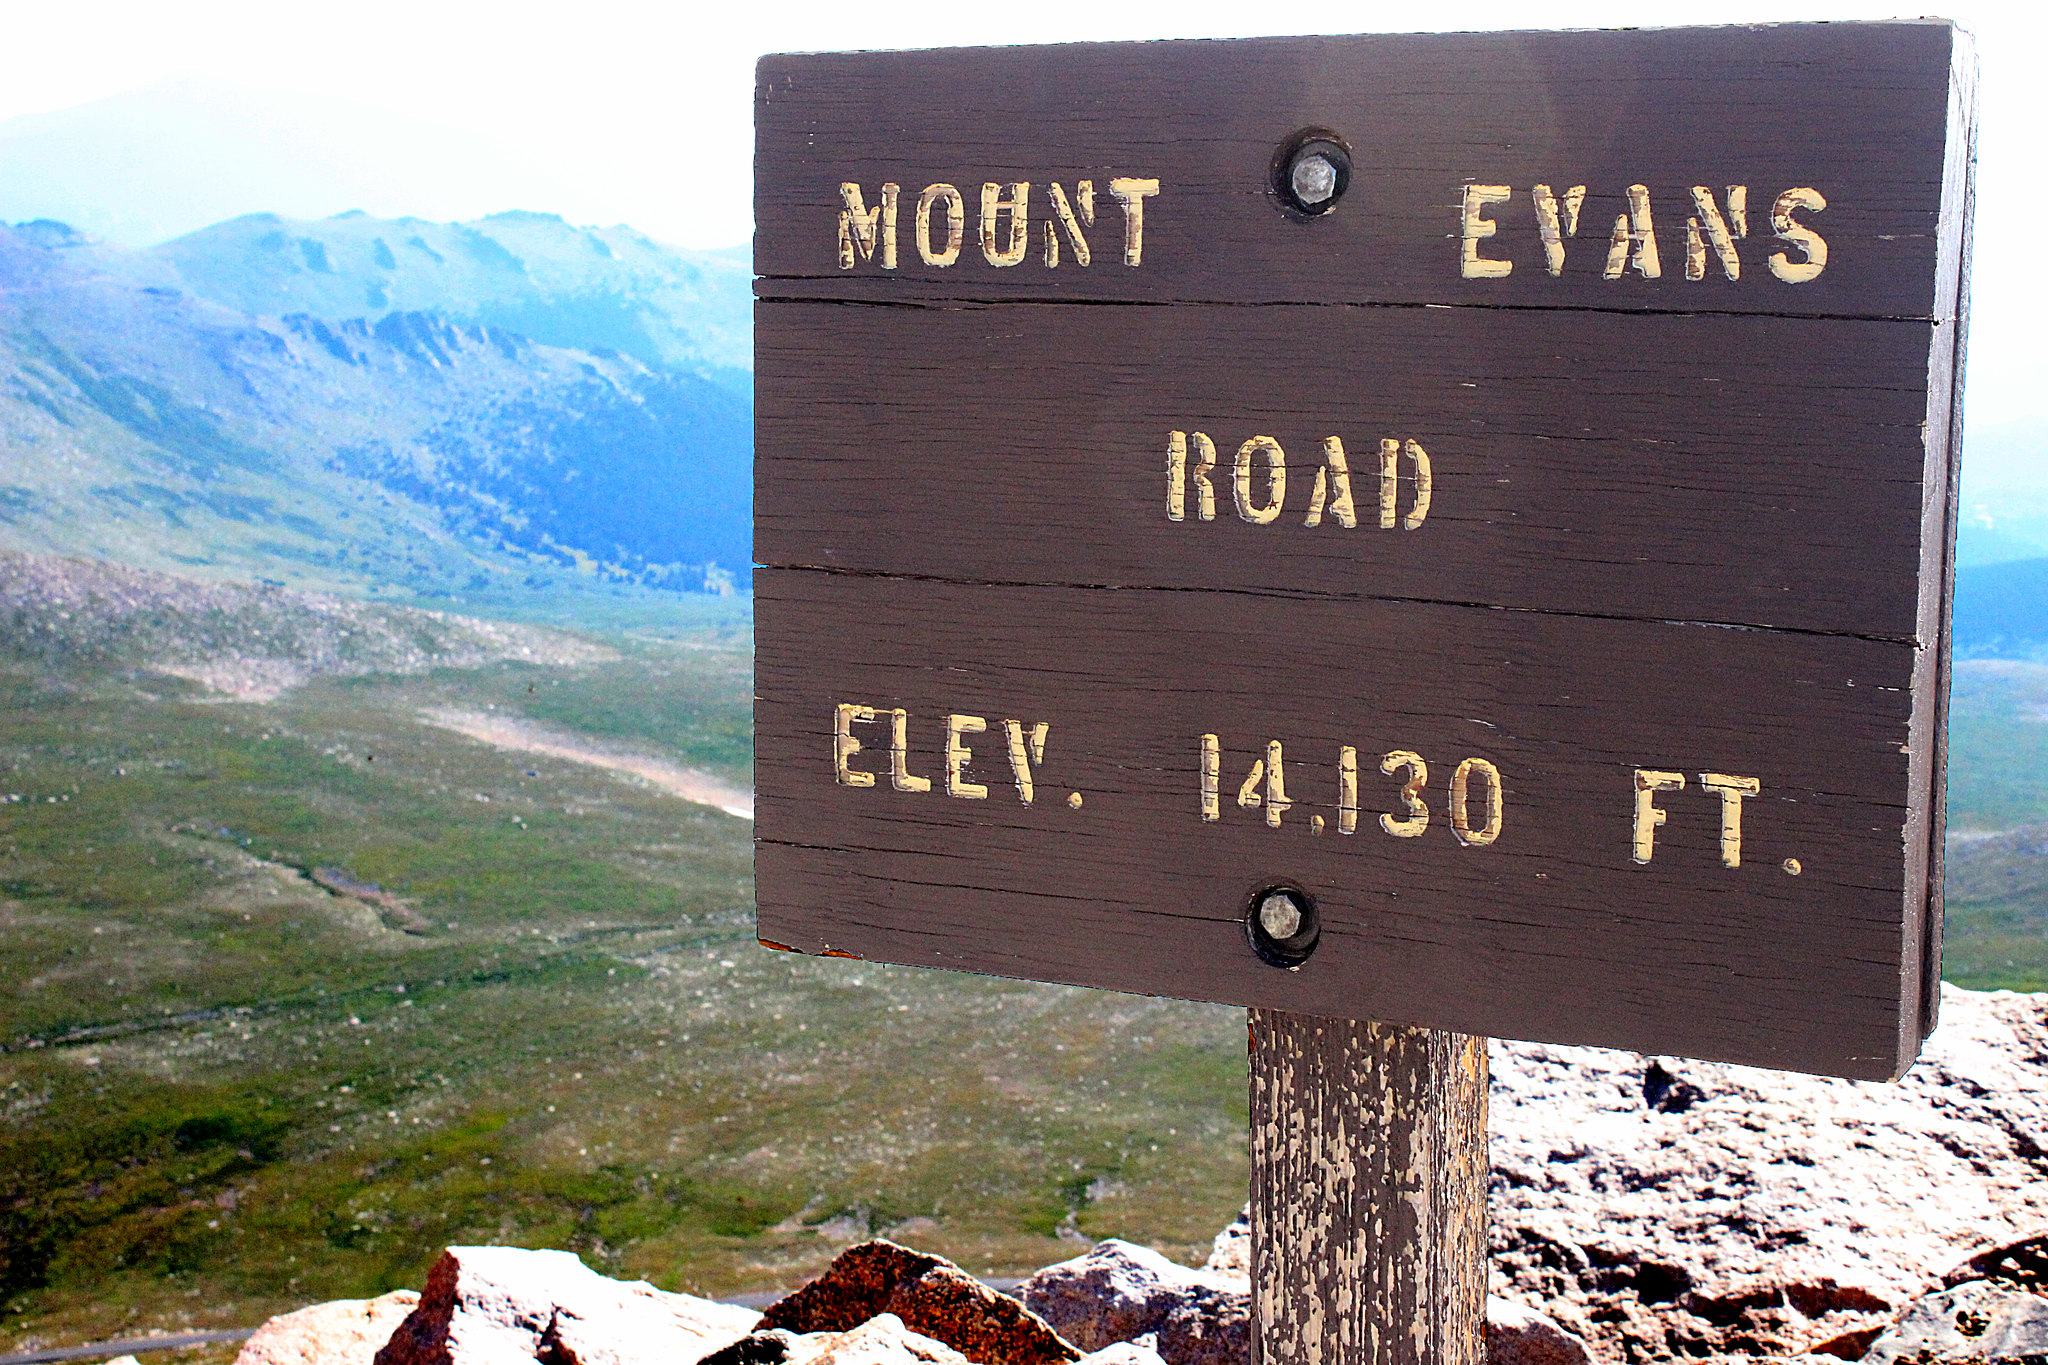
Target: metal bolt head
pixel 1314 180
pixel 1310 173
pixel 1282 926
pixel 1279 916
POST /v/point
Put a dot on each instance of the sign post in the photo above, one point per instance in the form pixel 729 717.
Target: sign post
pixel 1452 530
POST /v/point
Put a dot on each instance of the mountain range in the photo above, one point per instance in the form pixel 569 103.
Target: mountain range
pixel 380 405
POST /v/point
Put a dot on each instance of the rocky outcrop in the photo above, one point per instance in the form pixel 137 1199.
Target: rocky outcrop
pixel 1519 1335
pixel 1651 1209
pixel 1120 1292
pixel 345 1332
pixel 2022 1264
pixel 881 1340
pixel 1978 1320
pixel 930 1295
pixel 1660 1208
pixel 508 1306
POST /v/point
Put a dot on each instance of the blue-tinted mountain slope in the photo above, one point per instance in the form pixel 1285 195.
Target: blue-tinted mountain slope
pixel 410 450
pixel 589 289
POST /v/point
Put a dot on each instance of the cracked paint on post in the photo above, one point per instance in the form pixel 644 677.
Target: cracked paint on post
pixel 1369 1170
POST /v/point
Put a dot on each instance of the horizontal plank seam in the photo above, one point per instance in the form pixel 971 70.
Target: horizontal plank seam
pixel 1303 595
pixel 950 300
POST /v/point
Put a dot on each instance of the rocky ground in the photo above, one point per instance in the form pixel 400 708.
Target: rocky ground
pixel 1643 1209
pixel 249 641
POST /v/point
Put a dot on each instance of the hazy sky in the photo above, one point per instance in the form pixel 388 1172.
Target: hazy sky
pixel 642 113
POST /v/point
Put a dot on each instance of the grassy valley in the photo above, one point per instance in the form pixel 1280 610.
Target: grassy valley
pixel 1996 931
pixel 374 869
pixel 306 987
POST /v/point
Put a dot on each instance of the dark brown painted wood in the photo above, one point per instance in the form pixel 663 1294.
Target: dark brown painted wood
pixel 1683 525
pixel 1859 112
pixel 1762 471
pixel 1369 1170
pixel 1552 932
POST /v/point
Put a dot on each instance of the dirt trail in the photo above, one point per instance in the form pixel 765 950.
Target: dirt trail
pixel 510 732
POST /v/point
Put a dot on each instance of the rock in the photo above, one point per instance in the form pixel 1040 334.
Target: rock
pixel 1231 1252
pixel 1143 1351
pixel 1981 1320
pixel 344 1332
pixel 931 1296
pixel 508 1306
pixel 881 1340
pixel 1119 1292
pixel 2023 1263
pixel 763 1346
pixel 1659 1208
pixel 1519 1335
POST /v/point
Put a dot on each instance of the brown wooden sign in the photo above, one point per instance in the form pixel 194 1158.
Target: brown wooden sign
pixel 1492 492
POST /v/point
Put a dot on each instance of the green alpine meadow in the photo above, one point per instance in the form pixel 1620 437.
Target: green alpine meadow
pixel 375 812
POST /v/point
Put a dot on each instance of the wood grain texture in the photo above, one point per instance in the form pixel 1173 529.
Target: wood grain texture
pixel 1679 524
pixel 1857 111
pixel 1757 471
pixel 1369 1174
pixel 1552 932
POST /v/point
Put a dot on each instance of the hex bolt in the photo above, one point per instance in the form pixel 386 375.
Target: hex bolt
pixel 1279 916
pixel 1281 925
pixel 1310 173
pixel 1314 180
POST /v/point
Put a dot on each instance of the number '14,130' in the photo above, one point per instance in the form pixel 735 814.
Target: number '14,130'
pixel 1474 802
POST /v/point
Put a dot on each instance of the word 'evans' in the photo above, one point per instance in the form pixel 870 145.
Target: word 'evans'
pixel 1633 242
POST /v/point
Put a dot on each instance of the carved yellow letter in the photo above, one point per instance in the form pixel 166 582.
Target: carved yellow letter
pixel 1065 219
pixel 957 755
pixel 1276 480
pixel 1132 194
pixel 1731 790
pixel 956 224
pixel 1212 772
pixel 1635 239
pixel 1205 492
pixel 1333 483
pixel 1417 819
pixel 1477 229
pixel 996 200
pixel 1650 781
pixel 858 226
pixel 1805 238
pixel 845 746
pixel 1176 475
pixel 900 776
pixel 1461 823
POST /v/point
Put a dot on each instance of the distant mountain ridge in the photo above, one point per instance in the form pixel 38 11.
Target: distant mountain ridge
pixel 150 414
pixel 591 289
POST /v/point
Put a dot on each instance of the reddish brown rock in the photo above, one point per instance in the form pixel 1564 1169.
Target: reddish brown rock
pixel 931 1295
pixel 2022 1263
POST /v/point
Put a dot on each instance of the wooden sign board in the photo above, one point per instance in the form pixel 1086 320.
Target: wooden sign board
pixel 1496 490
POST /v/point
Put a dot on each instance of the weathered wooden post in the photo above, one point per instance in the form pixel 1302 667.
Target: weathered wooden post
pixel 1448 530
pixel 1368 1192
